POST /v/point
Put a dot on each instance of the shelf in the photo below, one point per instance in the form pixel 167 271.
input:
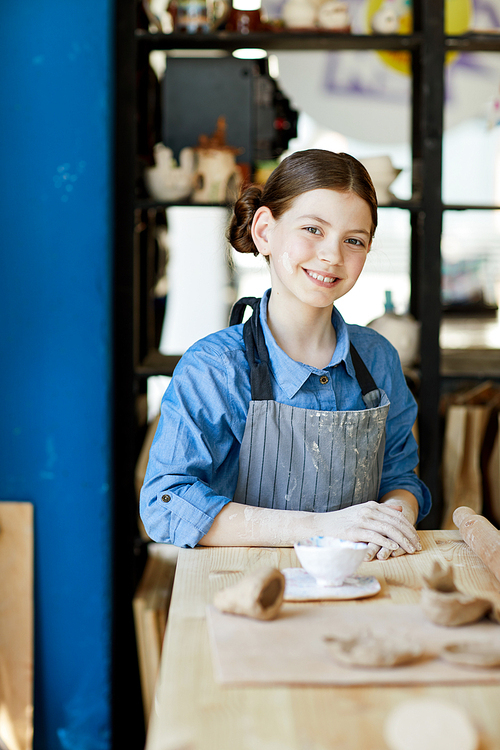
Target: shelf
pixel 469 207
pixel 472 363
pixel 156 363
pixel 312 40
pixel 147 203
pixel 474 42
pixel 470 346
pixel 278 40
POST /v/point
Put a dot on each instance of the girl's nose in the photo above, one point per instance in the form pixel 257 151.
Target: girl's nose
pixel 332 252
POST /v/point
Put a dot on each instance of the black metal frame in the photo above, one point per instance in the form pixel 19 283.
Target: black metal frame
pixel 428 66
pixel 128 728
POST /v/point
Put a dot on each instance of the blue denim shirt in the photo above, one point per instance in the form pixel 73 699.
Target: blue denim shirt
pixel 193 462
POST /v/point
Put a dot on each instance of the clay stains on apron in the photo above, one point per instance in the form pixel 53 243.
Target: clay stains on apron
pixel 307 459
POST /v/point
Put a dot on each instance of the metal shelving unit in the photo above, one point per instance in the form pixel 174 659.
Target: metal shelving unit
pixel 134 362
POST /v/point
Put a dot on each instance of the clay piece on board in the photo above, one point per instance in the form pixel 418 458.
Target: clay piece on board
pixel 471 654
pixel 259 594
pixel 431 724
pixel 370 650
pixel 444 604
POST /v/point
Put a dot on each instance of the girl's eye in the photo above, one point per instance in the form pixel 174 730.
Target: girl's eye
pixel 313 230
pixel 355 241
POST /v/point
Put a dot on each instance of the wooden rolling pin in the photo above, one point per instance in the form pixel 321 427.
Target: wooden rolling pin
pixel 481 536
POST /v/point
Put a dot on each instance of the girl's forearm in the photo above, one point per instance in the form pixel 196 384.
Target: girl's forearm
pixel 239 525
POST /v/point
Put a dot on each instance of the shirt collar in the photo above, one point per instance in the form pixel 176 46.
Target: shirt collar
pixel 291 375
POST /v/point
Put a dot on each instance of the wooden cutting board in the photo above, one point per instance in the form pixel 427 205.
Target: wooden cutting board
pixel 290 650
pixel 16 625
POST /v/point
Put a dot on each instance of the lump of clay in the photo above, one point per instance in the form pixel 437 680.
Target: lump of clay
pixel 259 594
pixel 370 650
pixel 472 654
pixel 444 604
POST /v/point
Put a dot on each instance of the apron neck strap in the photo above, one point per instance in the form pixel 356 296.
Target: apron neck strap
pixel 239 308
pixel 255 344
pixel 258 356
pixel 363 375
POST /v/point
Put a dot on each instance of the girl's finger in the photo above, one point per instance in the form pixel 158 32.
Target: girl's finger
pixel 398 552
pixel 384 553
pixel 370 535
pixel 371 552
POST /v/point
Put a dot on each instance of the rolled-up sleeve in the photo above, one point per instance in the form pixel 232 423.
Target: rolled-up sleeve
pixel 170 517
pixel 193 460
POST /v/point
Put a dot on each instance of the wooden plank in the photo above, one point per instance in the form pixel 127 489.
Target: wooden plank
pixel 150 606
pixel 16 625
pixel 194 711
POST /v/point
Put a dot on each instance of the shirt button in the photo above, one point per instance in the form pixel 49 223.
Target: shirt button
pixel 323 380
pixel 166 498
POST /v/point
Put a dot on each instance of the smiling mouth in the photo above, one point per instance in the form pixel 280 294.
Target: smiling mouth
pixel 320 277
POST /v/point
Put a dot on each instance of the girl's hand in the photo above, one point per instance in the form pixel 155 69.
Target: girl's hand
pixel 404 504
pixel 383 526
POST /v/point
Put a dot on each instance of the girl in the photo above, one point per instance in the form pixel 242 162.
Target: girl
pixel 293 424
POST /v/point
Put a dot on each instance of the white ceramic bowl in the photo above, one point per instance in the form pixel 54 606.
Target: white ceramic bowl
pixel 329 560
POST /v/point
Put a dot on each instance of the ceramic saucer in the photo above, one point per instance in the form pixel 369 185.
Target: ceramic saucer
pixel 302 587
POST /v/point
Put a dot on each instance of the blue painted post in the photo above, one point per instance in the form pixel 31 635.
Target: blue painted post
pixel 56 102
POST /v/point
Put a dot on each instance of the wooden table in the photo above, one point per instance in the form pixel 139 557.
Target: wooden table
pixel 193 712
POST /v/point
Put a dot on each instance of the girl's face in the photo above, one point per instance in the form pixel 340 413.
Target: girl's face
pixel 316 249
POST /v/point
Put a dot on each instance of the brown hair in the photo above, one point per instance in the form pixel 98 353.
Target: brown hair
pixel 300 172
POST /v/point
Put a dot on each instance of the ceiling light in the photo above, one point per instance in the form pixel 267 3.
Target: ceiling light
pixel 249 53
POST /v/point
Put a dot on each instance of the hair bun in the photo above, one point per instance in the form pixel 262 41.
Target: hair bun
pixel 240 228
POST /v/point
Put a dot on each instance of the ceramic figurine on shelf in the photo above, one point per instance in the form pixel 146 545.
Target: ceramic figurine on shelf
pixel 244 16
pixel 191 16
pixel 383 174
pixel 153 18
pixel 299 14
pixel 218 13
pixel 334 15
pixel 217 178
pixel 387 19
pixel 168 181
pixel 403 331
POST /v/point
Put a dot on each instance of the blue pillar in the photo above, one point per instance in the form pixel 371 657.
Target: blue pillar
pixel 56 106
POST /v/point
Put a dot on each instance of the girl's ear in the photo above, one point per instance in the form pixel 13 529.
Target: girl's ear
pixel 261 227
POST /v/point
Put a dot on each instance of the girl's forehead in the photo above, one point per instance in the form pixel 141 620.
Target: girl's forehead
pixel 328 200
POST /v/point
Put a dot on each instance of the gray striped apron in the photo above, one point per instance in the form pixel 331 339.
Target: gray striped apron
pixel 305 459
